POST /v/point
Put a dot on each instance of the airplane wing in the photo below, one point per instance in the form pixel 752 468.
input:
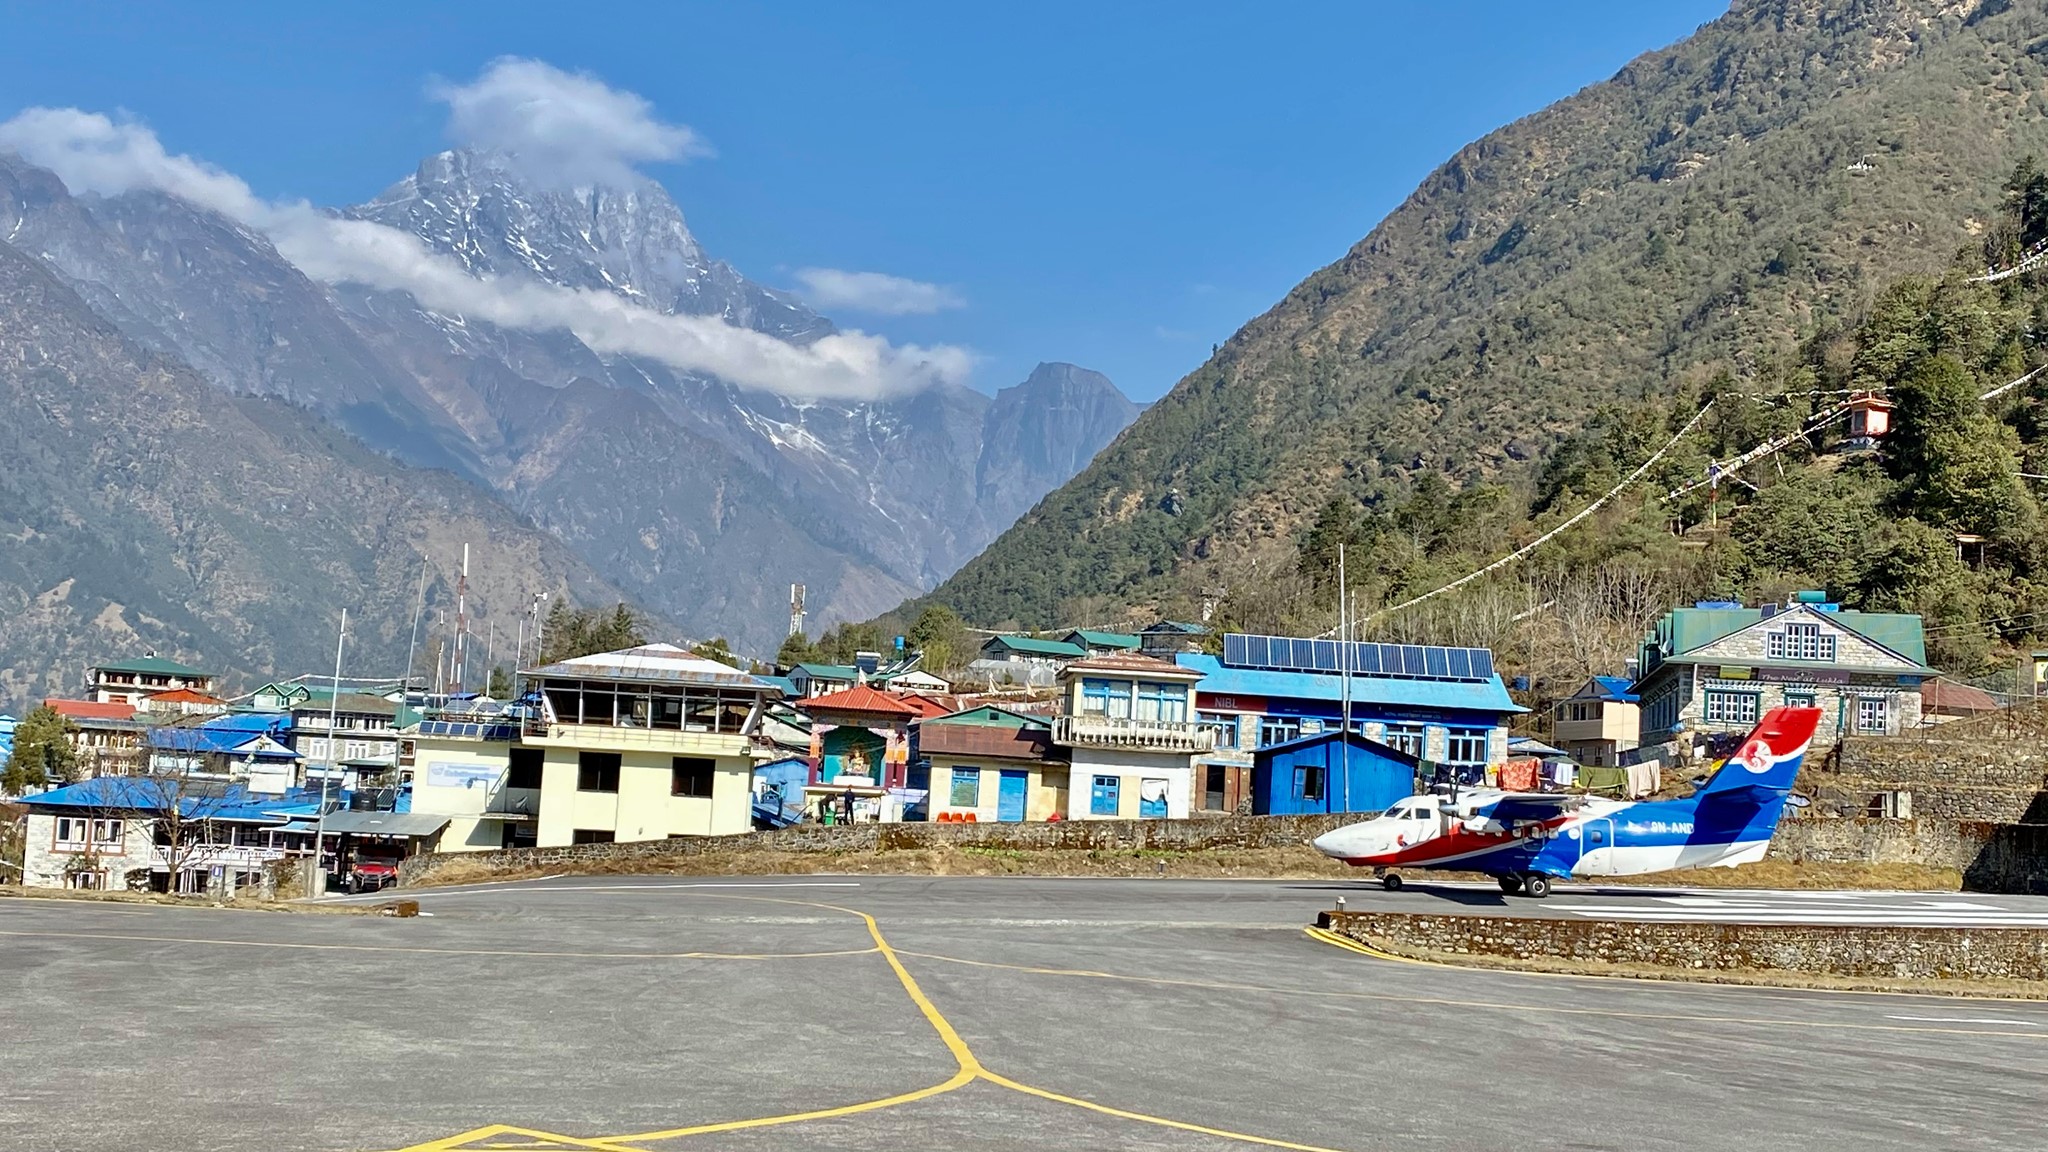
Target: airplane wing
pixel 1518 806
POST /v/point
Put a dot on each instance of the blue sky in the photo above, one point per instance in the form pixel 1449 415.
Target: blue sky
pixel 1119 185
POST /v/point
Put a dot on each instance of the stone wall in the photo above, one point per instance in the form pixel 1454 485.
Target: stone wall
pixel 1209 833
pixel 1992 768
pixel 1833 949
pixel 1993 857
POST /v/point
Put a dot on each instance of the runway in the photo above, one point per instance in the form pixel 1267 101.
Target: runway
pixel 879 1013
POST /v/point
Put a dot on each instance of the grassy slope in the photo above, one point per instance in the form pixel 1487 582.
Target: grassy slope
pixel 1699 207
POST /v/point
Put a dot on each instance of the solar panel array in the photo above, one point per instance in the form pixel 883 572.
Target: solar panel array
pixel 497 729
pixel 1365 658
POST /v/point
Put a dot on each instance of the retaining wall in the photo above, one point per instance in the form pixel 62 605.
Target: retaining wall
pixel 1991 768
pixel 1204 834
pixel 1831 949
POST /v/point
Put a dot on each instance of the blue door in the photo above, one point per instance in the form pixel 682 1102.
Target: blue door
pixel 1152 799
pixel 918 782
pixel 1010 795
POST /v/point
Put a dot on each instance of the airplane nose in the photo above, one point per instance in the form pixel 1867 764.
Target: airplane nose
pixel 1331 844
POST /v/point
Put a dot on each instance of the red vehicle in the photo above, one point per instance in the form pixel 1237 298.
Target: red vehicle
pixel 371 875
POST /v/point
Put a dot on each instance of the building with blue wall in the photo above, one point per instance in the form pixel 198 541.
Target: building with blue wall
pixel 1330 772
pixel 1441 705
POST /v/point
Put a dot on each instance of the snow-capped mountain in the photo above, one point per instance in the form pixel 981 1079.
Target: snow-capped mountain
pixel 701 499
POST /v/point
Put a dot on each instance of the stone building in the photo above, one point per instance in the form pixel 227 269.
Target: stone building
pixel 1715 668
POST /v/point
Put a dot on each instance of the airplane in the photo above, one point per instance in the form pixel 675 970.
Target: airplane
pixel 1524 839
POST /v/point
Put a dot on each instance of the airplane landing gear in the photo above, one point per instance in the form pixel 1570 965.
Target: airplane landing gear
pixel 1536 884
pixel 1391 882
pixel 1510 884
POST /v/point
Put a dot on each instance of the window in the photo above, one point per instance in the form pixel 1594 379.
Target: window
pixel 1166 702
pixel 71 832
pixel 1107 697
pixel 597 771
pixel 691 776
pixel 591 836
pixel 107 832
pixel 1407 737
pixel 1277 730
pixel 1730 707
pixel 1224 724
pixel 526 764
pixel 966 788
pixel 1801 642
pixel 1102 796
pixel 1465 746
pixel 1308 782
pixel 1872 713
pixel 1800 699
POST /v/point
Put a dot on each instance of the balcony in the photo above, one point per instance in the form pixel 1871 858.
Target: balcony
pixel 1095 730
pixel 619 738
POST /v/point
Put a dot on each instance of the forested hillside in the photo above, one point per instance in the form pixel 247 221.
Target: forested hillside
pixel 1710 220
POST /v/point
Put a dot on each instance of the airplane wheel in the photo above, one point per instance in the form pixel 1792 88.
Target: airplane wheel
pixel 1510 884
pixel 1537 885
pixel 1391 882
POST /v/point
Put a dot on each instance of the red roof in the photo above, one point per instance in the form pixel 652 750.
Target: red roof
pixel 91 709
pixel 861 698
pixel 184 696
pixel 1948 698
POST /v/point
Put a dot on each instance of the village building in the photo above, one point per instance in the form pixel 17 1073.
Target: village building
pixel 860 748
pixel 108 737
pixel 1445 706
pixel 638 744
pixel 131 682
pixel 1022 660
pixel 1127 723
pixel 1599 722
pixel 166 834
pixel 1099 643
pixel 1716 668
pixel 993 764
pixel 1170 638
pixel 345 739
pixel 1331 771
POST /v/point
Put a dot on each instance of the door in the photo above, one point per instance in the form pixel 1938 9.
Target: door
pixel 917 785
pixel 1010 792
pixel 1596 849
pixel 1152 799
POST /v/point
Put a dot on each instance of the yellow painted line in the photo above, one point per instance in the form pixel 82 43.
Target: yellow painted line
pixel 448 951
pixel 1142 1118
pixel 535 1140
pixel 1500 1006
pixel 967 1070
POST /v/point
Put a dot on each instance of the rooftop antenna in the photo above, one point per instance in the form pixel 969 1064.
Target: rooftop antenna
pixel 796 609
pixel 418 609
pixel 460 665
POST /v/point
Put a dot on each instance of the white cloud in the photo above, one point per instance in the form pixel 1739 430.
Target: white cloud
pixel 876 293
pixel 90 152
pixel 568 127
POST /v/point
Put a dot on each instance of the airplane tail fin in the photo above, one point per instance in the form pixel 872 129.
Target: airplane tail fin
pixel 1767 761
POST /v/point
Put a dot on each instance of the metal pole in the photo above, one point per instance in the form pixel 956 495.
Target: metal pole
pixel 1344 667
pixel 318 884
pixel 419 609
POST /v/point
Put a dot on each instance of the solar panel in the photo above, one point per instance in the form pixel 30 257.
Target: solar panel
pixel 1365 658
pixel 1412 662
pixel 1258 650
pixel 1438 661
pixel 1304 657
pixel 1326 656
pixel 1234 645
pixel 1482 664
pixel 1460 662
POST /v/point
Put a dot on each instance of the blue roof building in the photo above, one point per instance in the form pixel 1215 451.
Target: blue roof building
pixel 1440 705
pixel 1330 772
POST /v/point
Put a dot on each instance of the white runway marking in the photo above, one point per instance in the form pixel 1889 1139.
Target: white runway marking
pixel 1971 1020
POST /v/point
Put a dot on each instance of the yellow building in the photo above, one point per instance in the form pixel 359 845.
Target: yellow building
pixel 640 744
pixel 993 764
pixel 1598 722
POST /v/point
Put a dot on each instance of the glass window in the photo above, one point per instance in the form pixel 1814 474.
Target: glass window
pixel 1800 642
pixel 691 776
pixel 1465 746
pixel 1152 804
pixel 106 831
pixel 597 771
pixel 966 788
pixel 1165 702
pixel 1872 713
pixel 1407 737
pixel 1799 699
pixel 1730 707
pixel 1277 730
pixel 1102 796
pixel 71 831
pixel 1308 782
pixel 1224 724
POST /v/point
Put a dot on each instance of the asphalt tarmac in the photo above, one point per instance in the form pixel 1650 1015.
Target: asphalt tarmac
pixel 873 1013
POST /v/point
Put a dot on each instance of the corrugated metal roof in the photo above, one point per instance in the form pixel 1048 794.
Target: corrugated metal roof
pixel 1684 629
pixel 1035 647
pixel 155 665
pixel 1616 688
pixel 1465 695
pixel 386 823
pixel 1097 639
pixel 649 664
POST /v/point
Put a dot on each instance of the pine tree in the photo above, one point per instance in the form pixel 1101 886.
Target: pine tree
pixel 43 753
